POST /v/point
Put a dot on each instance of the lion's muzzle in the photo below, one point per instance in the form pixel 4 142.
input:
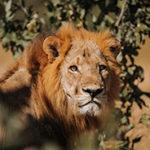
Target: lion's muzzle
pixel 93 92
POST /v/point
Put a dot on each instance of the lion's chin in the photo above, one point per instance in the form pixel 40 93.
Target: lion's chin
pixel 90 109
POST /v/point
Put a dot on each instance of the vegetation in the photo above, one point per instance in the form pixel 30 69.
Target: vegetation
pixel 129 20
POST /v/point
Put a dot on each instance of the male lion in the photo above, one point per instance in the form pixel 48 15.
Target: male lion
pixel 63 85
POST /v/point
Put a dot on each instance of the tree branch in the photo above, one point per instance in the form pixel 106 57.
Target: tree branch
pixel 121 13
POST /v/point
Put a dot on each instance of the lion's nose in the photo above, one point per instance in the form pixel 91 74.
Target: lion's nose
pixel 93 92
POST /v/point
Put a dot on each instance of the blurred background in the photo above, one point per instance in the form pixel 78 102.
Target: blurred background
pixel 129 20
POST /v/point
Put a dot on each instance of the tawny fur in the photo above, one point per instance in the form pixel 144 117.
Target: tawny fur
pixel 38 72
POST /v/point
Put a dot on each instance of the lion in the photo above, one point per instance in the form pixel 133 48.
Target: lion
pixel 64 84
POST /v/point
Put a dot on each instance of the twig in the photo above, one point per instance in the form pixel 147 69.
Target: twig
pixel 121 14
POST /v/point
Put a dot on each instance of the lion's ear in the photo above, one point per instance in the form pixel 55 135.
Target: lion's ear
pixel 115 48
pixel 51 46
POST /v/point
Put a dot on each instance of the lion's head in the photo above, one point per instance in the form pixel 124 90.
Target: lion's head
pixel 85 77
pixel 80 78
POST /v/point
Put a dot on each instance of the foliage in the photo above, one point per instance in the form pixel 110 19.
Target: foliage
pixel 15 30
pixel 129 19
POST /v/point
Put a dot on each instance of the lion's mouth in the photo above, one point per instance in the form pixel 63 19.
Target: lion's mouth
pixel 89 102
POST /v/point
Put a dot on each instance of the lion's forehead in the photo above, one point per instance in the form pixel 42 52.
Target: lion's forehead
pixel 85 43
pixel 83 48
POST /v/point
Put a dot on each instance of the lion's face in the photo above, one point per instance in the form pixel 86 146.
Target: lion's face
pixel 81 77
pixel 85 78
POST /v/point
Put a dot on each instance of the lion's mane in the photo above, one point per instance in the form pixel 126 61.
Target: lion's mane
pixel 41 76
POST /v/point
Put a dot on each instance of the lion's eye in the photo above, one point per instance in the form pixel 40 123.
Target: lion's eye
pixel 112 49
pixel 73 68
pixel 102 68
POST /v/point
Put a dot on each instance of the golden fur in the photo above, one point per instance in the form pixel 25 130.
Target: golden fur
pixel 39 71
